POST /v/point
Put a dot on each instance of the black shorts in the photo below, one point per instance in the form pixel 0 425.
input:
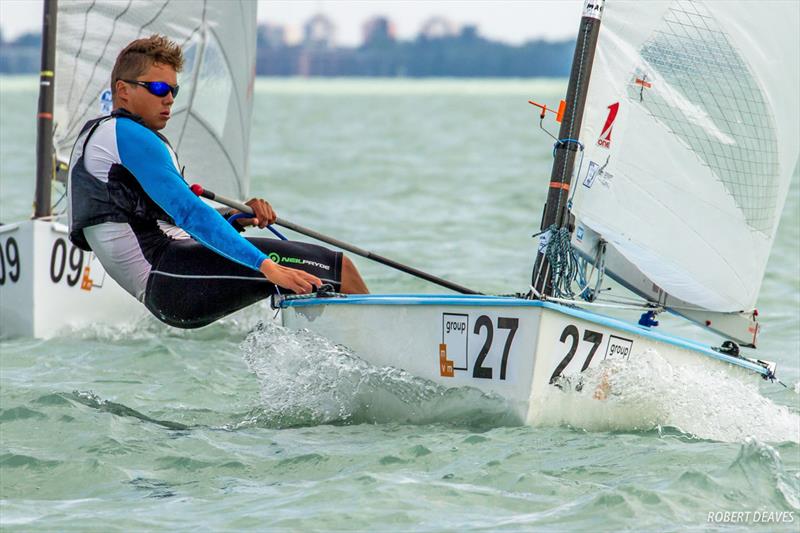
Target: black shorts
pixel 192 286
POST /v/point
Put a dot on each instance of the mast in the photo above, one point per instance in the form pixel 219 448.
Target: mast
pixel 44 116
pixel 555 210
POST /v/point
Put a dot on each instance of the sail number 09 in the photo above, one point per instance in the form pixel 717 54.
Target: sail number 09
pixel 9 262
pixel 60 259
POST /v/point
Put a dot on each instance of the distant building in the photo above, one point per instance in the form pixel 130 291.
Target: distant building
pixel 27 40
pixel 378 31
pixel 436 28
pixel 22 55
pixel 271 36
pixel 438 51
pixel 469 32
pixel 319 32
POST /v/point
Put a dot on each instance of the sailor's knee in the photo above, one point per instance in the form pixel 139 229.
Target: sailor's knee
pixel 351 278
pixel 347 265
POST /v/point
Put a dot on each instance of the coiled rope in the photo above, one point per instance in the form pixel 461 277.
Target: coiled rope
pixel 563 262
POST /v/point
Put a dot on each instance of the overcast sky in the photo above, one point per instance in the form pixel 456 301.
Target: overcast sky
pixel 513 21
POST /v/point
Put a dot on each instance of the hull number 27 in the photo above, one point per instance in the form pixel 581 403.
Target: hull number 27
pixel 463 343
pixel 588 343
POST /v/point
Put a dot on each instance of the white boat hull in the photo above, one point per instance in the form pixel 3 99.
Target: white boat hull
pixel 48 285
pixel 507 346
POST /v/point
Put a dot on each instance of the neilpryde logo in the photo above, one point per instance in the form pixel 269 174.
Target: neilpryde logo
pixel 296 260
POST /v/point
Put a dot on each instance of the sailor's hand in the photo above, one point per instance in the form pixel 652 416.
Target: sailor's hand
pixel 264 214
pixel 297 281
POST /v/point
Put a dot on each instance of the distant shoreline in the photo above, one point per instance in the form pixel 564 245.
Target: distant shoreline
pixel 355 85
pixel 465 55
pixel 28 75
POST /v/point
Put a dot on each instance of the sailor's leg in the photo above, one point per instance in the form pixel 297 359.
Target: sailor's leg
pixel 352 283
pixel 193 286
pixel 322 262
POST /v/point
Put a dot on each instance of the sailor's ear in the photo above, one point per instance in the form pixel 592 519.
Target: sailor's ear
pixel 121 90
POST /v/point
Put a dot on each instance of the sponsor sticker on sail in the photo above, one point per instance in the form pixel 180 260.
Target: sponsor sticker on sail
pixel 605 136
pixel 106 103
pixel 588 181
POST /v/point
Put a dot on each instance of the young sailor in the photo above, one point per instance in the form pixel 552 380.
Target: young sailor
pixel 129 204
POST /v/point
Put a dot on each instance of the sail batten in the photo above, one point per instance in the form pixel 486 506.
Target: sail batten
pixel 211 116
pixel 687 177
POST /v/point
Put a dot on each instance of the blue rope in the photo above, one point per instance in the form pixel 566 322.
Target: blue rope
pixel 277 233
pixel 237 216
pixel 561 142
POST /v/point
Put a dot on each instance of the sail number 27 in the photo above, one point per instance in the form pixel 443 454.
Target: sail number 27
pixel 484 322
pixel 588 343
pixel 458 345
pixel 572 335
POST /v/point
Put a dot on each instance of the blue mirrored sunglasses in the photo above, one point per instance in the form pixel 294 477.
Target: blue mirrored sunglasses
pixel 157 88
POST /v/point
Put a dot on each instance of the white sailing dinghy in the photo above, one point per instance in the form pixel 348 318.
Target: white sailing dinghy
pixel 678 141
pixel 46 283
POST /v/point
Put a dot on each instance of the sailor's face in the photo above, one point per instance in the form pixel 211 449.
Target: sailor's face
pixel 154 110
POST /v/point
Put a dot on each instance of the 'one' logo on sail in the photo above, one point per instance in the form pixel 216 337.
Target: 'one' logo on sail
pixel 605 135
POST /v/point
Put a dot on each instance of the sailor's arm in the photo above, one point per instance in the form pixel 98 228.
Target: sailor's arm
pixel 148 159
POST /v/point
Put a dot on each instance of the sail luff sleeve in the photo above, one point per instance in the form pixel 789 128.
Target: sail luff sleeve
pixel 148 159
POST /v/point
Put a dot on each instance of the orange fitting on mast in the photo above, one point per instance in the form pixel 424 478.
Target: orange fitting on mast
pixel 562 106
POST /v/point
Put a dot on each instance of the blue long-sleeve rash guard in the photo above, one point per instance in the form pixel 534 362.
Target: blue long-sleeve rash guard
pixel 146 156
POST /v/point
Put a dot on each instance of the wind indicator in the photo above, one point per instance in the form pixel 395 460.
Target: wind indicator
pixel 562 106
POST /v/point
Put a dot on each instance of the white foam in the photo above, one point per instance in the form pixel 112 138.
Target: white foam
pixel 652 393
pixel 306 379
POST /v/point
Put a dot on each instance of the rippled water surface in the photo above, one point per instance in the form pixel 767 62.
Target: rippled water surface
pixel 246 425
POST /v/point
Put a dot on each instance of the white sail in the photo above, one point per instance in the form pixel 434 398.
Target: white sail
pixel 691 131
pixel 210 126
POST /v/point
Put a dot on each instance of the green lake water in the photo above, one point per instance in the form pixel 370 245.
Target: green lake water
pixel 247 426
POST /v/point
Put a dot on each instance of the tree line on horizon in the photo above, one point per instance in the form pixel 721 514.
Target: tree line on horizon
pixel 464 55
